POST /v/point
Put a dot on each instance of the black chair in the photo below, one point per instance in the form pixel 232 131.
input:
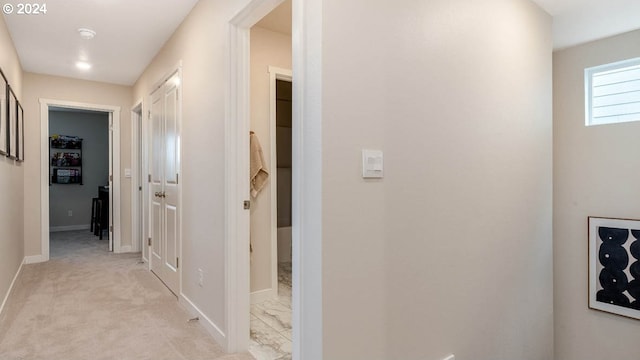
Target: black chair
pixel 100 223
pixel 94 205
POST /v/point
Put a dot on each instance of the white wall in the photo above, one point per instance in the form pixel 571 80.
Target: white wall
pixel 451 251
pixel 38 87
pixel 93 129
pixel 268 48
pixel 11 178
pixel 596 173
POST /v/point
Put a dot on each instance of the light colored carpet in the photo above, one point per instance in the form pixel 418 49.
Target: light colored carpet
pixel 87 303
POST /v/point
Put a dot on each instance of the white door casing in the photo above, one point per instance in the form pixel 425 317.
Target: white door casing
pixel 306 177
pixel 110 227
pixel 44 171
pixel 164 191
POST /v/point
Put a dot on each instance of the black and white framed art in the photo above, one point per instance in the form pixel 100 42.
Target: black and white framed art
pixel 12 139
pixel 20 132
pixel 614 266
pixel 4 113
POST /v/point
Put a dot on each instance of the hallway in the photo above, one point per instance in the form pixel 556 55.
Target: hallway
pixel 87 303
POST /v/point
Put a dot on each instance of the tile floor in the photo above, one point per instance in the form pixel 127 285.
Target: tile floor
pixel 271 322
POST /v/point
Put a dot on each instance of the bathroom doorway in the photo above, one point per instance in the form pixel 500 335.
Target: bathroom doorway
pixel 271 171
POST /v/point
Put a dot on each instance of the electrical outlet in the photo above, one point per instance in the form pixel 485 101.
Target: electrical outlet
pixel 70 213
pixel 200 277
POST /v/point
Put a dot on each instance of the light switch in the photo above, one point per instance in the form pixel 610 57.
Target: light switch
pixel 127 173
pixel 372 164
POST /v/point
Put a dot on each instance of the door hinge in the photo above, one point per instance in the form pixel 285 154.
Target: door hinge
pixel 177 178
pixel 139 188
pixel 110 228
pixel 149 242
pixel 110 177
pixel 247 204
pixel 149 114
pixel 177 262
pixel 149 177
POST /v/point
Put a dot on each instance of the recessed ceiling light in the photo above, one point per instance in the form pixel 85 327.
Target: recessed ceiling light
pixel 83 65
pixel 86 34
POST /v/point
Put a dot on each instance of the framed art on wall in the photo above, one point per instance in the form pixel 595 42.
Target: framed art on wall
pixel 4 108
pixel 614 266
pixel 20 133
pixel 12 145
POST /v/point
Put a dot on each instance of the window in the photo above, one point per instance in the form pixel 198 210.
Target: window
pixel 612 93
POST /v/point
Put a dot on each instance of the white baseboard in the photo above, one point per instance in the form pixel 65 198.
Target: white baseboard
pixel 13 282
pixel 213 329
pixel 263 295
pixel 69 228
pixel 34 259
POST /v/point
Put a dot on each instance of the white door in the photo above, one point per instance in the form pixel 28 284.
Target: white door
pixel 164 190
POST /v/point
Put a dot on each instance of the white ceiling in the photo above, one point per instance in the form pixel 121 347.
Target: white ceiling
pixel 579 21
pixel 129 35
pixel 131 32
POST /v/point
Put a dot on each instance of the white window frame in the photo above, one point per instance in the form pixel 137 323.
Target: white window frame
pixel 589 74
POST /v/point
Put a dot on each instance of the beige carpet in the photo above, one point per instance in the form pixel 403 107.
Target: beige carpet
pixel 86 303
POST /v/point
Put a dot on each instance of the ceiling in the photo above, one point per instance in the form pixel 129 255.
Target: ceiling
pixel 579 21
pixel 131 32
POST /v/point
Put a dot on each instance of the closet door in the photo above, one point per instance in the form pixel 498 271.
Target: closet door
pixel 164 190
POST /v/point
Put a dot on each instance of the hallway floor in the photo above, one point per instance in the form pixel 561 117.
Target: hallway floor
pixel 271 322
pixel 87 303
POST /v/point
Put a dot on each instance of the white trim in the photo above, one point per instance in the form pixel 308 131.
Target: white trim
pixel 44 167
pixel 126 249
pixel 307 180
pixel 306 177
pixel 211 327
pixel 69 228
pixel 237 189
pixel 237 222
pixel 275 73
pixel 13 282
pixel 263 295
pixel 136 206
pixel 34 259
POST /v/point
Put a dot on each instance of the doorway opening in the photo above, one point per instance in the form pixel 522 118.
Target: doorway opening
pixel 270 157
pixel 79 205
pixel 139 221
pixel 63 164
pixel 306 181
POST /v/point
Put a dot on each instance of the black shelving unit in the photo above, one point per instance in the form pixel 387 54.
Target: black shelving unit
pixel 65 160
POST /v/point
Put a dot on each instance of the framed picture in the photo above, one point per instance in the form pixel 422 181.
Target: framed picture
pixel 12 143
pixel 4 109
pixel 614 266
pixel 20 132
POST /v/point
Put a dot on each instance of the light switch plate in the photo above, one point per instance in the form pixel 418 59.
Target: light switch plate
pixel 372 164
pixel 127 173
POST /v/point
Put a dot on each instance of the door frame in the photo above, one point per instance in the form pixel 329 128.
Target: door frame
pixel 306 177
pixel 44 168
pixel 275 73
pixel 138 167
